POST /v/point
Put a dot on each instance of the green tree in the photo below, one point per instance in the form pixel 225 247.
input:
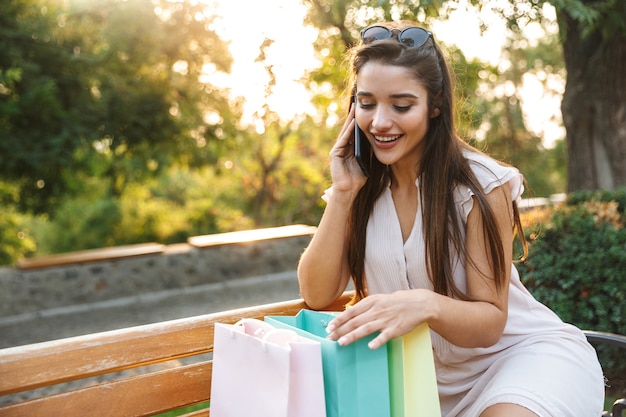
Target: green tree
pixel 277 163
pixel 115 86
pixel 594 102
pixel 497 100
pixel 14 238
pixel 593 40
pixel 37 79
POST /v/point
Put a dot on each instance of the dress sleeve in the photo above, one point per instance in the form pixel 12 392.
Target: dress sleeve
pixel 490 174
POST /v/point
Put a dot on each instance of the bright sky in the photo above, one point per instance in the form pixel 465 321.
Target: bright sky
pixel 246 23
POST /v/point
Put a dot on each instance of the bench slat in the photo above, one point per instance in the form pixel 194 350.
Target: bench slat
pixel 137 396
pixel 91 255
pixel 28 367
pixel 34 366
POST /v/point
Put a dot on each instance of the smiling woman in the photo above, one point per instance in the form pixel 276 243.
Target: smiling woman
pixel 247 25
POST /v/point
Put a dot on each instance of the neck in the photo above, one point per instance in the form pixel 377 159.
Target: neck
pixel 403 176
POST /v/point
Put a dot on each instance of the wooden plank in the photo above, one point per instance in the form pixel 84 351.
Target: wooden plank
pixel 137 396
pixel 33 366
pixel 217 239
pixel 92 255
pixel 28 367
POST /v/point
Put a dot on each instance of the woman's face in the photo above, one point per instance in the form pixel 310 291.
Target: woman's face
pixel 392 109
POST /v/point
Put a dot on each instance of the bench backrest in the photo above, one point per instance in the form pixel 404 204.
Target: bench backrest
pixel 137 371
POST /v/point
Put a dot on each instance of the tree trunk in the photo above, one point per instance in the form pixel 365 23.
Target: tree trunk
pixel 594 108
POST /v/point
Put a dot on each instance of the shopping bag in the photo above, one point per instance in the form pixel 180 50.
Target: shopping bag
pixel 262 371
pixel 356 378
pixel 412 375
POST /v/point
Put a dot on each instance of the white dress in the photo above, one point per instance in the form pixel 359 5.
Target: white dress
pixel 539 362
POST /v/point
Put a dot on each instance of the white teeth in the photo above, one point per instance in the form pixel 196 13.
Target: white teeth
pixel 386 138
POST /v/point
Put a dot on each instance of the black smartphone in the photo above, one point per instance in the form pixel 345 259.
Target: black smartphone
pixel 362 148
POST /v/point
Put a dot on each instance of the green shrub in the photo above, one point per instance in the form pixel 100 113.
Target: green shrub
pixel 79 224
pixel 577 265
pixel 15 240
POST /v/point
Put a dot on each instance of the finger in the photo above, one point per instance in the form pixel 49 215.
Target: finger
pixel 357 327
pixel 347 130
pixel 359 332
pixel 379 340
pixel 335 323
pixel 356 314
pixel 343 318
pixel 346 137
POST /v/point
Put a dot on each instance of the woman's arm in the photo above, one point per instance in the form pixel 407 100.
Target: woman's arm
pixel 323 271
pixel 476 323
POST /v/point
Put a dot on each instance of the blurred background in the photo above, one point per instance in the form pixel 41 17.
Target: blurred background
pixel 151 120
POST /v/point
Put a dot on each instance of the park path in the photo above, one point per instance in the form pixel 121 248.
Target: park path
pixel 147 308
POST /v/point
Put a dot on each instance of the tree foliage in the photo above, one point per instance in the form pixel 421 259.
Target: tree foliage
pixel 112 132
pixel 110 88
pixel 575 265
pixel 497 104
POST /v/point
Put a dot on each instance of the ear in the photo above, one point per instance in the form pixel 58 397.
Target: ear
pixel 436 112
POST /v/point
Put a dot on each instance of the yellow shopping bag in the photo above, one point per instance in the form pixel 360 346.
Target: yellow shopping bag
pixel 412 380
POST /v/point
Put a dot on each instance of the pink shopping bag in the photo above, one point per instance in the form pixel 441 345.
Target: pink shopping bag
pixel 261 371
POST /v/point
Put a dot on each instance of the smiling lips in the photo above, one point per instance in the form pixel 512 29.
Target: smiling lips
pixel 387 138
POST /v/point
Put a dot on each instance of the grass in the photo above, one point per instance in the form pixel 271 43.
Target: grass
pixel 181 411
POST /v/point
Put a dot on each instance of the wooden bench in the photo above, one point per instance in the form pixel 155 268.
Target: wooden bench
pixel 124 358
pixel 151 248
pixel 113 373
pixel 91 255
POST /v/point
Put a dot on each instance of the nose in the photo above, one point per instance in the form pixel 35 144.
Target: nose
pixel 381 120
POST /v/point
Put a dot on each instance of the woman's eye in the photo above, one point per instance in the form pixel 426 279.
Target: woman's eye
pixel 367 105
pixel 402 109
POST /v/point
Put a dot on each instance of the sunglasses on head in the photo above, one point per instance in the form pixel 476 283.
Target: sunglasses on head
pixel 413 36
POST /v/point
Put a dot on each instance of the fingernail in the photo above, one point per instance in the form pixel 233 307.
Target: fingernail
pixel 330 328
pixel 372 345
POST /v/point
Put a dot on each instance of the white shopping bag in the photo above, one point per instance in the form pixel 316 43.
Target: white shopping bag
pixel 260 371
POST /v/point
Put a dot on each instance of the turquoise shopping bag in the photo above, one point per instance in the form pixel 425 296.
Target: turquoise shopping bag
pixel 356 378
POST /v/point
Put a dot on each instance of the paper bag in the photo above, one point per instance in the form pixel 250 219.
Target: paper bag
pixel 356 378
pixel 264 372
pixel 412 375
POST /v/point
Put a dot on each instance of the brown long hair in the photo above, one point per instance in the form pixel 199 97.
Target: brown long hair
pixel 443 167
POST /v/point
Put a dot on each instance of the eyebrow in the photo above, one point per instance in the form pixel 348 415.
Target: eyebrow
pixel 399 95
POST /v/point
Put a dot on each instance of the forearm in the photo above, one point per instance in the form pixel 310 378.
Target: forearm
pixel 463 323
pixel 323 271
pixel 467 323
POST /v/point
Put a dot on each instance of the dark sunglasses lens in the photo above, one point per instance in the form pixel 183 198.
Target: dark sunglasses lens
pixel 414 37
pixel 375 33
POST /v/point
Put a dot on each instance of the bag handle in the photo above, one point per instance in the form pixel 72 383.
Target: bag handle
pixel 253 327
pixel 281 337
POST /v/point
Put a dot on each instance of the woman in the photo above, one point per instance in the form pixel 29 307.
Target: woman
pixel 427 237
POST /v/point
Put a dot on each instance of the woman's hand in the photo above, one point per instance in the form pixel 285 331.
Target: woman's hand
pixel 393 315
pixel 344 168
